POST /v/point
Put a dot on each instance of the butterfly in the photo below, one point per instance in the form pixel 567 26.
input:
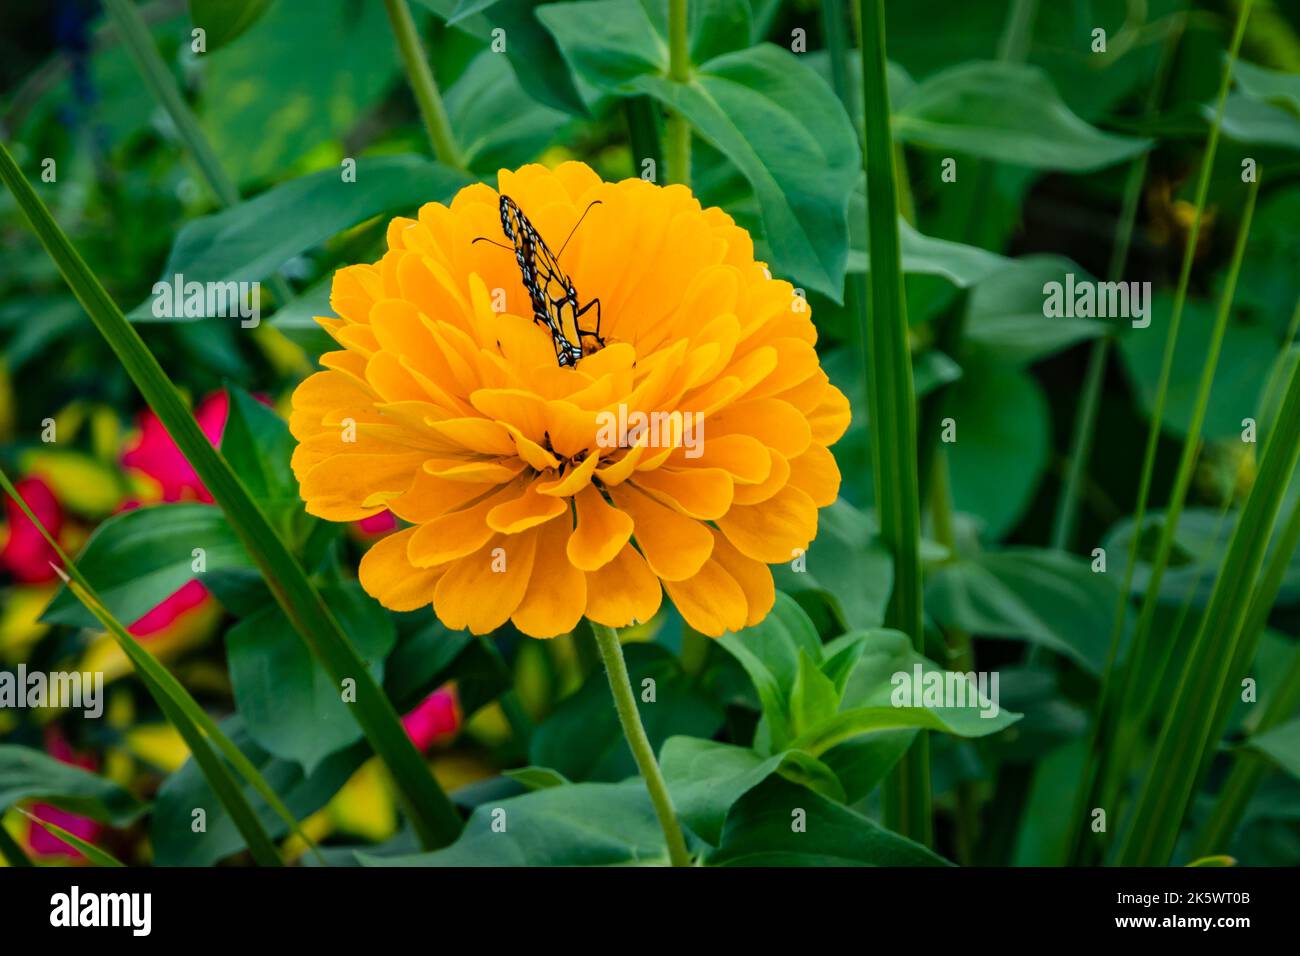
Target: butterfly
pixel 542 275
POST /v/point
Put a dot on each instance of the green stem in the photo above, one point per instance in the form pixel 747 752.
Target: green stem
pixel 892 408
pixel 961 656
pixel 1126 703
pixel 611 652
pixel 1175 320
pixel 676 127
pixel 160 82
pixel 423 84
pixel 1067 511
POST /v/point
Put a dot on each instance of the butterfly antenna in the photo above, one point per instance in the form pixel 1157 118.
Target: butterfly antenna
pixel 499 245
pixel 594 202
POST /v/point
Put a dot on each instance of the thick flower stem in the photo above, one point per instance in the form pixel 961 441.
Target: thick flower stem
pixel 423 84
pixel 611 652
pixel 678 130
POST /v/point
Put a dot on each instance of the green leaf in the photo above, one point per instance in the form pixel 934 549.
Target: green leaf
pixel 962 265
pixel 766 111
pixel 267 103
pixel 716 27
pixel 814 697
pixel 252 239
pixel 1198 549
pixel 257 443
pixel 1040 839
pixel 91 852
pixel 760 832
pixel 1007 112
pixel 27 774
pixel 496 124
pixel 846 565
pixel 769 652
pixel 1247 356
pixel 137 559
pixel 1002 444
pixel 877 698
pixel 582 738
pixel 1272 86
pixel 1049 598
pixel 1252 121
pixel 1006 320
pixel 608 43
pixel 466 8
pixel 530 49
pixel 300 312
pixel 291 706
pixel 583 824
pixel 224 20
pixel 784 129
pixel 537 778
pixel 706 778
pixel 176 844
pixel 1280 744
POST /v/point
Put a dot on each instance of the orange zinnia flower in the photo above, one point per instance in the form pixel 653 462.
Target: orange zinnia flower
pixel 447 406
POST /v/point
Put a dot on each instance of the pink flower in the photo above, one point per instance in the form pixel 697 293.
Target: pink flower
pixel 191 595
pixel 434 720
pixel 41 841
pixel 26 554
pixel 369 530
pixel 155 455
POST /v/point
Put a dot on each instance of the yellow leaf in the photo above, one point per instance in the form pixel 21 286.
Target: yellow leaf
pixel 81 483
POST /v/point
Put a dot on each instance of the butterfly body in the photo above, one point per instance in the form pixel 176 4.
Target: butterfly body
pixel 551 293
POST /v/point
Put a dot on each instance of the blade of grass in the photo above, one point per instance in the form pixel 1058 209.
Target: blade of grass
pixel 892 407
pixel 835 27
pixel 1237 787
pixel 435 820
pixel 1102 731
pixel 91 852
pixel 1085 422
pixel 158 679
pixel 1249 767
pixel 1115 763
pixel 1194 720
pixel 423 85
pixel 259 842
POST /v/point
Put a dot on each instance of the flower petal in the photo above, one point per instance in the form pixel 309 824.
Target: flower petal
pixel 673 545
